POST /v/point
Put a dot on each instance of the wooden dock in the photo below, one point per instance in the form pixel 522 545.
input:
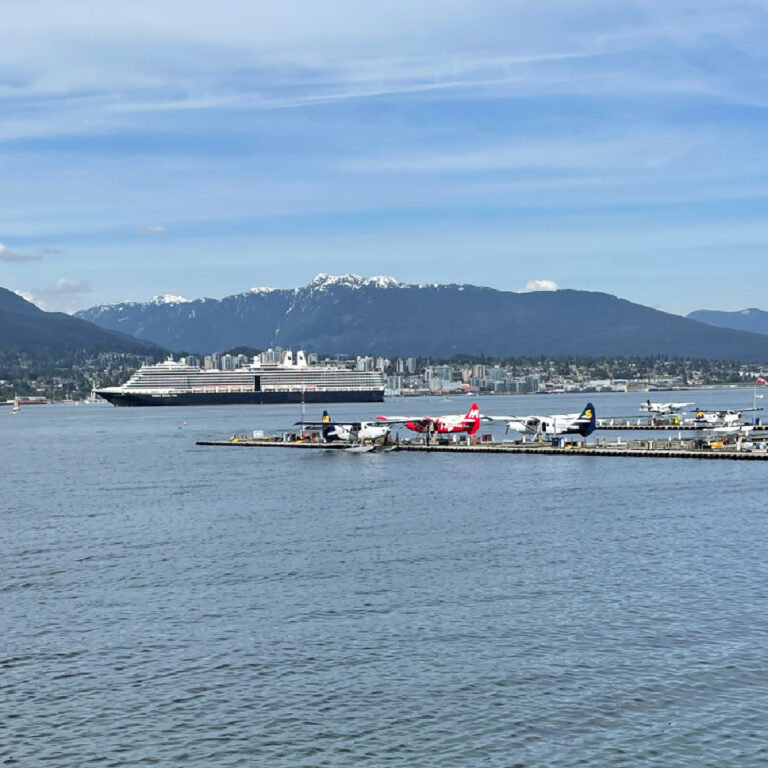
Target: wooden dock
pixel 662 450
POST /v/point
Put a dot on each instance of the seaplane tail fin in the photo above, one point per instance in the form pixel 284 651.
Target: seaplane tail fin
pixel 473 419
pixel 587 420
pixel 329 433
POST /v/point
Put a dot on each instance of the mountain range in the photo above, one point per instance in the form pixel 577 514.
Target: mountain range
pixel 752 320
pixel 26 328
pixel 350 314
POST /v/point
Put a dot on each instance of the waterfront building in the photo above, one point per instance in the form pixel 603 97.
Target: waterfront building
pixel 532 383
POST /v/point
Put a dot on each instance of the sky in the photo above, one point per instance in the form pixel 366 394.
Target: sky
pixel 204 148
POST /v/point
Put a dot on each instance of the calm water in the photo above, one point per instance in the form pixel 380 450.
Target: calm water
pixel 164 604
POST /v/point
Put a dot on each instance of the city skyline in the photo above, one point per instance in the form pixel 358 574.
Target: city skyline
pixel 201 149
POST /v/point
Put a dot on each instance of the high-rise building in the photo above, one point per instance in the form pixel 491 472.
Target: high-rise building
pixel 365 363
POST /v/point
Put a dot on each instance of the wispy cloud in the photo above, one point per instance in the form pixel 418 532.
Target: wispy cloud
pixel 647 150
pixel 152 230
pixel 6 254
pixel 65 287
pixel 31 298
pixel 63 296
pixel 258 56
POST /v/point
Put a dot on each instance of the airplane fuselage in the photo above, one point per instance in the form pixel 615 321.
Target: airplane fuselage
pixel 443 425
pixel 562 424
pixel 351 432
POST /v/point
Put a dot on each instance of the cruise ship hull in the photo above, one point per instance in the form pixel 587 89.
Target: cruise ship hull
pixel 137 399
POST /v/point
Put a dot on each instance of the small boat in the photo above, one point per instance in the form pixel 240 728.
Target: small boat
pixel 16 407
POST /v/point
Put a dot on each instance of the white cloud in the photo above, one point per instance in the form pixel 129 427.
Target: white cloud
pixel 31 298
pixel 64 296
pixel 540 285
pixel 8 255
pixel 66 287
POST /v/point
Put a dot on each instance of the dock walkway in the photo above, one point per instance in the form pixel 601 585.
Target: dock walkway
pixel 625 450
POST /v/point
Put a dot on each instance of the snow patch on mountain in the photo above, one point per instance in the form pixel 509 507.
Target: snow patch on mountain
pixel 383 281
pixel 169 299
pixel 350 280
pixel 261 290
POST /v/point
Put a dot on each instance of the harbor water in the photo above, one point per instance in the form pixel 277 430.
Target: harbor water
pixel 174 605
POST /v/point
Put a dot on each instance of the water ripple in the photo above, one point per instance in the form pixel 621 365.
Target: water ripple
pixel 165 605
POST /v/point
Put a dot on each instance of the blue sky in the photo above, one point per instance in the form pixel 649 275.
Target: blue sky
pixel 204 148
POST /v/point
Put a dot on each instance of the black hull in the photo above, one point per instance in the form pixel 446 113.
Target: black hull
pixel 242 398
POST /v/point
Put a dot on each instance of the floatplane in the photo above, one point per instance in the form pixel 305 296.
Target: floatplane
pixel 722 418
pixel 663 409
pixel 453 423
pixel 551 427
pixel 355 436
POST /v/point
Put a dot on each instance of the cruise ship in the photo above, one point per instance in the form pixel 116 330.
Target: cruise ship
pixel 291 381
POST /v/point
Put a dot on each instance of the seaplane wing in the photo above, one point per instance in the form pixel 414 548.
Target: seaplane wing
pixel 469 422
pixel 404 419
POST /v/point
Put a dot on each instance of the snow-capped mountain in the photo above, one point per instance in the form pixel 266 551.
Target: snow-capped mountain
pixel 380 315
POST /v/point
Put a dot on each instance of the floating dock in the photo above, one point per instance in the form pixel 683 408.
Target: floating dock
pixel 651 449
pixel 629 426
